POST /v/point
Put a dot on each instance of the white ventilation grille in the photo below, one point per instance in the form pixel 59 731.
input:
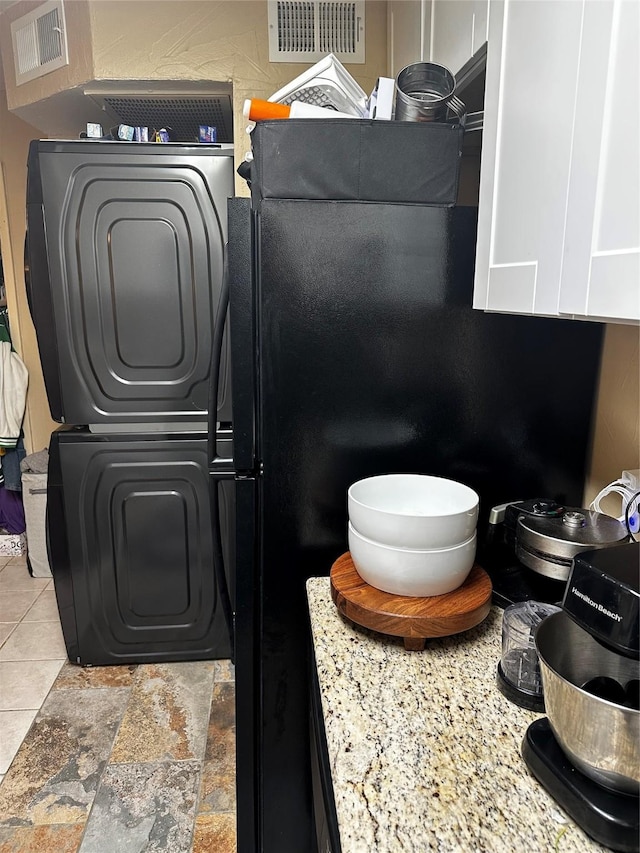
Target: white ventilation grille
pixel 307 31
pixel 39 42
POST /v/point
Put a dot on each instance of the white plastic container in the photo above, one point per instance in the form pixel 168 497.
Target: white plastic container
pixel 34 498
pixel 519 677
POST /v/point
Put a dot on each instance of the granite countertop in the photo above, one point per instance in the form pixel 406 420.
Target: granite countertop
pixel 424 750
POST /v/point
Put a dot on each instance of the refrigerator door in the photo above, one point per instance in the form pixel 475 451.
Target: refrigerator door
pixel 241 269
pixel 125 245
pixel 371 360
pixel 130 537
pixel 249 777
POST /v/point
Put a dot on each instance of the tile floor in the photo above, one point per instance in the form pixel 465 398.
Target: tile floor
pixel 107 759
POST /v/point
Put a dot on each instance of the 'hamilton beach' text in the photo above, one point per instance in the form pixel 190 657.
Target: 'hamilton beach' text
pixel 596 605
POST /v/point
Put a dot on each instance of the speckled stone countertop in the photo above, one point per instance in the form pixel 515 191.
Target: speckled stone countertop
pixel 424 750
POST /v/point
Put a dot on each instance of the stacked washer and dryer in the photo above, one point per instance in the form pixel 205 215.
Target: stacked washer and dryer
pixel 125 249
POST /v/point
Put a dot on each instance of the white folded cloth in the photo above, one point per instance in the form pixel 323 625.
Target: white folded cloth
pixel 14 378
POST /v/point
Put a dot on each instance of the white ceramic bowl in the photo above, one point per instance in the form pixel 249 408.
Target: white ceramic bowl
pixel 413 510
pixel 404 571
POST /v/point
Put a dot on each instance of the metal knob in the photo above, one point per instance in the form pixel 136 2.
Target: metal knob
pixel 574 519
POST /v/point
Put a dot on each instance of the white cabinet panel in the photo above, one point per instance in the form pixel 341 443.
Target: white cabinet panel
pixel 480 24
pixel 408 32
pixel 445 31
pixel 531 82
pixel 559 213
pixel 614 289
pixel 512 287
pixel 601 270
pixel 458 30
pixel 452 32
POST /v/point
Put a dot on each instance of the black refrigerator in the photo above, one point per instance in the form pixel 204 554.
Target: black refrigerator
pixel 355 351
pixel 124 250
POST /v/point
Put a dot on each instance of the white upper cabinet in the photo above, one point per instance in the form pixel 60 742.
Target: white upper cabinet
pixel 601 258
pixel 407 33
pixel 448 32
pixel 480 24
pixel 558 228
pixel 532 64
pixel 458 28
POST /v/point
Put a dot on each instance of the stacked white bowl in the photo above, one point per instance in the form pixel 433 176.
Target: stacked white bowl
pixel 412 534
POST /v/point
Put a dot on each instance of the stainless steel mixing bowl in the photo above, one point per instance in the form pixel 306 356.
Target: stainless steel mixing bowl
pixel 600 737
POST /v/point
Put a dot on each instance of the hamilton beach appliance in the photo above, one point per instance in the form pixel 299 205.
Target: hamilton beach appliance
pixel 530 546
pixel 586 753
pixel 548 545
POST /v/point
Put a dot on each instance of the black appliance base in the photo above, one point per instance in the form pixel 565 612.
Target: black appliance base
pixel 513 582
pixel 609 818
pixel 521 697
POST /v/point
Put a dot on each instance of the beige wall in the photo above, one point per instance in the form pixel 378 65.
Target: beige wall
pixel 15 136
pixel 79 69
pixel 616 434
pixel 166 40
pixel 205 40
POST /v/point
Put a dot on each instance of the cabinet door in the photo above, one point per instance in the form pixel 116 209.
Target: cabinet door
pixel 601 269
pixel 408 23
pixel 445 31
pixel 458 29
pixel 480 25
pixel 532 67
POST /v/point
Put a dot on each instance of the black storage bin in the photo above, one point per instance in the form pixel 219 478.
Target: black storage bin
pixel 360 160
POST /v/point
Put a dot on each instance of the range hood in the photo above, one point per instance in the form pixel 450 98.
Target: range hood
pixel 181 105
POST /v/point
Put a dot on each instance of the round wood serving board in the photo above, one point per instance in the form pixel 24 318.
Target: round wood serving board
pixel 413 619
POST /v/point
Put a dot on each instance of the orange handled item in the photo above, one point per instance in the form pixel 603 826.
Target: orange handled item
pixel 258 110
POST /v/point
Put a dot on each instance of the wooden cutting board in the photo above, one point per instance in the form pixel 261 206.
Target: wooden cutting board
pixel 413 619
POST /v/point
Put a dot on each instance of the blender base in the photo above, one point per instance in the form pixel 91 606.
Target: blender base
pixel 520 696
pixel 610 818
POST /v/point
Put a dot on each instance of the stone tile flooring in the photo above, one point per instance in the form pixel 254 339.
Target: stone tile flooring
pixel 107 759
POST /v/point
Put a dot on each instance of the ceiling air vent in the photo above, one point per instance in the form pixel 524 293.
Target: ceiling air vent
pixel 307 31
pixel 39 42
